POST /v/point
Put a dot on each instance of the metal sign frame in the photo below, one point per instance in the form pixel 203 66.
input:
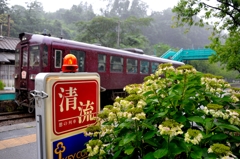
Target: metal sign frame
pixel 52 107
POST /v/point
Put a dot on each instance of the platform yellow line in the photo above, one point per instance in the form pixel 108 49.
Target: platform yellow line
pixel 17 141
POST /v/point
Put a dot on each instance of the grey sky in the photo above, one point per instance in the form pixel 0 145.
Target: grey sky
pixel 52 6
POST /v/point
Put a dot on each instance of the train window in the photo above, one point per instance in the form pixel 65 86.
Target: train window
pixel 17 57
pixel 116 64
pixel 154 66
pixel 45 56
pixel 24 56
pixel 58 58
pixel 144 67
pixel 131 66
pixel 80 55
pixel 101 63
pixel 34 56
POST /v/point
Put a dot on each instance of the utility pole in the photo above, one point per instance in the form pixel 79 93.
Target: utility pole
pixel 118 30
pixel 8 34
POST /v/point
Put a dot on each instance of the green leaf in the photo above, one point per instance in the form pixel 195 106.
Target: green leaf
pixel 148 125
pixel 149 108
pixel 161 114
pixel 125 124
pixel 121 143
pixel 219 137
pixel 148 156
pixel 178 88
pixel 183 145
pixel 129 150
pixel 160 153
pixel 197 153
pixel 149 134
pixel 206 136
pixel 148 93
pixel 208 123
pixel 181 119
pixel 150 142
pixel 196 119
pixel 117 154
pixel 189 105
pixel 175 148
pixel 129 137
pixel 173 112
pixel 235 138
pixel 229 127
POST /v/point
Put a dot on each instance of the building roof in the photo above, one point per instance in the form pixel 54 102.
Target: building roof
pixel 8 43
pixel 6 56
pixel 3 58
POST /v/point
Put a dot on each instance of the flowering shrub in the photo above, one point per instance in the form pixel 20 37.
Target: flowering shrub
pixel 174 113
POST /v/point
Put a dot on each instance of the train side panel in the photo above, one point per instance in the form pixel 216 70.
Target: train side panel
pixel 117 68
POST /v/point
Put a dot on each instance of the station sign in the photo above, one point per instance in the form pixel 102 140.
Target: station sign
pixel 66 104
pixel 74 105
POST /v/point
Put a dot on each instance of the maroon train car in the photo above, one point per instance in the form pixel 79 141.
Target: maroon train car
pixel 117 68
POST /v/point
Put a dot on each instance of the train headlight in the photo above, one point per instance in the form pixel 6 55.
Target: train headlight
pixel 69 63
pixel 32 76
pixel 15 76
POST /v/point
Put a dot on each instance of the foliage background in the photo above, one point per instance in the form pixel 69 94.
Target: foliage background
pixel 121 24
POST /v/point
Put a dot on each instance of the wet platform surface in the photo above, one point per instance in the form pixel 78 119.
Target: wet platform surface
pixel 18 141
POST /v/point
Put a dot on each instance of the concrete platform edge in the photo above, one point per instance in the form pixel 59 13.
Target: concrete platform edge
pixel 18 126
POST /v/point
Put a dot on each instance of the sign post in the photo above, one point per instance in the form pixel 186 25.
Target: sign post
pixel 66 104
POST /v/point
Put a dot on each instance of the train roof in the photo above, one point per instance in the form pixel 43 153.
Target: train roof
pixel 38 38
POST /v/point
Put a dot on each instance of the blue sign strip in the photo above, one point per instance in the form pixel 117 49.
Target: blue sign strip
pixel 70 147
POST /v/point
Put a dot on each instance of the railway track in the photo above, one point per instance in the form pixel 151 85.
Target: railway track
pixel 9 118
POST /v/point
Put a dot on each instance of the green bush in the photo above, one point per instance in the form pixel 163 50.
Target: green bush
pixel 186 114
pixel 2 85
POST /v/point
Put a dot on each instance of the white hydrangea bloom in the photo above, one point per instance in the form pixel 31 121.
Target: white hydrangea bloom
pixel 164 130
pixel 194 140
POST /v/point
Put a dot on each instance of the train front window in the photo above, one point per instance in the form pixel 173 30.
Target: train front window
pixel 17 54
pixel 45 56
pixel 116 64
pixel 154 66
pixel 34 56
pixel 131 66
pixel 58 58
pixel 24 56
pixel 144 67
pixel 101 63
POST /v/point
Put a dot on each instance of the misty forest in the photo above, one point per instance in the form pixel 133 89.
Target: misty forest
pixel 121 24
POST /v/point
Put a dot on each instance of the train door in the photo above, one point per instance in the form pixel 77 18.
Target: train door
pixel 23 65
pixel 29 65
pixel 80 55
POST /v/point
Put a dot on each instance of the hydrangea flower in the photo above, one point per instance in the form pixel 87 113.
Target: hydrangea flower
pixel 95 147
pixel 222 151
pixel 193 136
pixel 170 127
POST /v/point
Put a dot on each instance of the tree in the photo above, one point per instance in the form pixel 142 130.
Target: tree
pixel 125 8
pixel 3 15
pixel 160 49
pixel 3 6
pixel 112 32
pixel 223 16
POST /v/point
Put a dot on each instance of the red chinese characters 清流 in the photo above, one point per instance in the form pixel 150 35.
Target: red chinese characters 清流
pixel 75 105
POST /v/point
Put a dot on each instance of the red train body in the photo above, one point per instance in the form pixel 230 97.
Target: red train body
pixel 117 68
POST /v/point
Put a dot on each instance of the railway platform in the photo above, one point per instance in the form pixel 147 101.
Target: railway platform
pixel 7 94
pixel 18 141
